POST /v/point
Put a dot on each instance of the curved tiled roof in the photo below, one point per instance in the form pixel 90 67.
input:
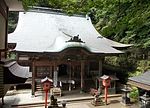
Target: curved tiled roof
pixel 144 78
pixel 51 31
pixel 142 81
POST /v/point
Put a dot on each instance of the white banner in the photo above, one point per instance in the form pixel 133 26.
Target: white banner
pixel 55 78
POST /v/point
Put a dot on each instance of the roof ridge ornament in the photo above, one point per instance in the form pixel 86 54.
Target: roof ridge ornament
pixel 75 39
pixel 99 36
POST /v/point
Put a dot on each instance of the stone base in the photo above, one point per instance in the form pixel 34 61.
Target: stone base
pixel 125 100
pixel 125 104
pixel 97 102
pixel 54 106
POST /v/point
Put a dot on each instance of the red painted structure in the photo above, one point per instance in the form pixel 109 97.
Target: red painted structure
pixel 106 84
pixel 46 87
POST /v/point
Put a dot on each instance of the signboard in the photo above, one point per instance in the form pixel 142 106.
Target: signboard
pixel 55 78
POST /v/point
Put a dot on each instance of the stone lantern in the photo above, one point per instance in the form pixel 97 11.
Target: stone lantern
pixel 145 101
pixel 125 98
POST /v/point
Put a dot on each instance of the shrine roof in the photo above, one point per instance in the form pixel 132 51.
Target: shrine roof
pixel 15 73
pixel 18 70
pixel 141 81
pixel 39 31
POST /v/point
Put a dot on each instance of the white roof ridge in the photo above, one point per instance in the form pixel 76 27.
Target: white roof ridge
pixel 53 11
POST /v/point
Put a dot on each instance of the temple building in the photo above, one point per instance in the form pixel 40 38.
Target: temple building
pixel 67 49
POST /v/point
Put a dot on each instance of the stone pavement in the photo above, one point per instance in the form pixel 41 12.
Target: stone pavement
pixel 88 105
pixel 22 98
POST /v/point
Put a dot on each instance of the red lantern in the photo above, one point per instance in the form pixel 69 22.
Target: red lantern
pixel 106 82
pixel 46 87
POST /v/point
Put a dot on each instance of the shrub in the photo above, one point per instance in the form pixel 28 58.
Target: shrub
pixel 134 94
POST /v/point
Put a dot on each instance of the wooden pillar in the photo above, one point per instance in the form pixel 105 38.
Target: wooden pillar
pixel 0 55
pixel 33 77
pixel 73 71
pixel 69 75
pixel 82 75
pixel 100 67
pixel 6 32
pixel 50 74
pixel 88 68
pixel 2 100
pixel 6 28
pixel 69 70
pixel 52 70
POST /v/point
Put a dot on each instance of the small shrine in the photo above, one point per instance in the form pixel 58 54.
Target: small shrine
pixel 142 82
pixel 112 86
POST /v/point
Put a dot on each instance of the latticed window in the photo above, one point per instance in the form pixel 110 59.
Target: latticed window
pixel 43 71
